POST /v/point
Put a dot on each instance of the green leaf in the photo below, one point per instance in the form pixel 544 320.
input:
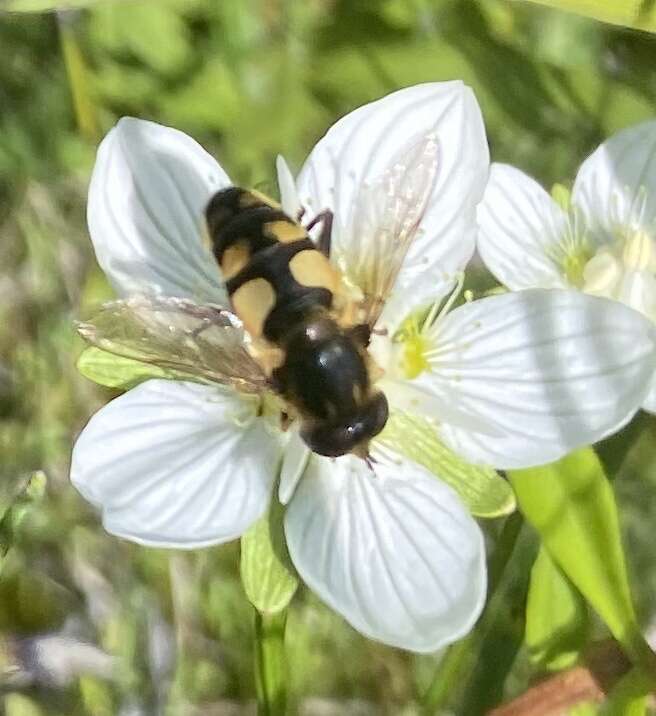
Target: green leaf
pixel 629 696
pixel 639 14
pixel 585 708
pixel 267 573
pixel 44 5
pixel 96 695
pixel 121 373
pixel 556 616
pixel 572 506
pixel 78 81
pixel 482 489
pixel 499 636
pixel 26 494
pixel 167 45
pixel 18 705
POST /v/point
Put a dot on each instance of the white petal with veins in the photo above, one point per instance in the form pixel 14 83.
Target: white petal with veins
pixel 616 185
pixel 520 228
pixel 287 186
pixel 394 552
pixel 294 461
pixel 147 197
pixel 374 141
pixel 175 464
pixel 547 370
pixel 650 401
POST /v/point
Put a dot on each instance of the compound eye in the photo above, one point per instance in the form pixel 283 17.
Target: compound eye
pixel 333 440
pixel 330 443
pixel 378 413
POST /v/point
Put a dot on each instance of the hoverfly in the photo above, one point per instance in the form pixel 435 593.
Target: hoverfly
pixel 298 324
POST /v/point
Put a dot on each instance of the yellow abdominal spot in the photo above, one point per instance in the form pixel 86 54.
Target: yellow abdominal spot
pixel 285 231
pixel 234 259
pixel 253 302
pixel 252 197
pixel 311 268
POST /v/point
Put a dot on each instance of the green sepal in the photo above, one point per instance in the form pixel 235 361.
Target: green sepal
pixel 267 574
pixel 557 619
pixel 571 505
pixel 121 373
pixel 482 489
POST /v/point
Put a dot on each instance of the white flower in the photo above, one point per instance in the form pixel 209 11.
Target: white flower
pixel 603 243
pixel 513 380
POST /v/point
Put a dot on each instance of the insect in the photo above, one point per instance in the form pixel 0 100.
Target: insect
pixel 297 325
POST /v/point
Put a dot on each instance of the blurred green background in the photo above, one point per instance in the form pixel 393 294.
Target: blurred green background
pixel 93 625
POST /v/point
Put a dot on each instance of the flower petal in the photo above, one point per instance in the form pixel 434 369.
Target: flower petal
pixel 638 290
pixel 287 186
pixel 148 192
pixel 650 401
pixel 520 225
pixel 374 140
pixel 294 461
pixel 394 552
pixel 547 370
pixel 176 464
pixel 616 185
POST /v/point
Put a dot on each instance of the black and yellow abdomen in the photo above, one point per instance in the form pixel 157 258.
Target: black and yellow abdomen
pixel 274 274
pixel 284 291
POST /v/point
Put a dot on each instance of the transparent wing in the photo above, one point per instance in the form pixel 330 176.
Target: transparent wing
pixel 202 341
pixel 385 222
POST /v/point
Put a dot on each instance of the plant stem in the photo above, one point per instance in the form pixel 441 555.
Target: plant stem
pixel 457 656
pixel 460 656
pixel 270 665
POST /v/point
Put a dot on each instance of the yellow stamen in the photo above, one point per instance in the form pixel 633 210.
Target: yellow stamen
pixel 413 361
pixel 639 251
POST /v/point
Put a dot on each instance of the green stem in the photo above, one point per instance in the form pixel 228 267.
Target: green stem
pixel 270 665
pixel 460 656
pixel 457 656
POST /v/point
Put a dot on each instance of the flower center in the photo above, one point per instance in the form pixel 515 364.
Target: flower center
pixel 573 251
pixel 414 343
pixel 574 265
pixel 412 354
pixel 625 270
pixel 275 411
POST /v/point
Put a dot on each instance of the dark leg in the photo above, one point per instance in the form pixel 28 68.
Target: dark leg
pixel 371 461
pixel 361 333
pixel 326 219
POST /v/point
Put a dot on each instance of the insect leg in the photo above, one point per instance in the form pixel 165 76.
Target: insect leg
pixel 371 461
pixel 361 333
pixel 326 219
